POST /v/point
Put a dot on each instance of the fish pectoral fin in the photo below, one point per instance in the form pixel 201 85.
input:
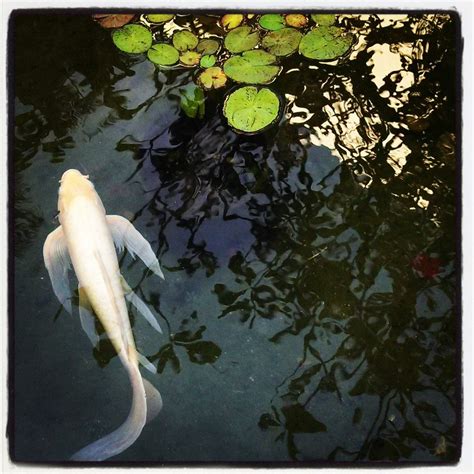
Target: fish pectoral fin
pixel 57 262
pixel 126 236
pixel 146 363
pixel 154 402
pixel 87 317
pixel 141 307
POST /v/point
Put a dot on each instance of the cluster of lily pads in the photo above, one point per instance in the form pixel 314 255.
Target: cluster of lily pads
pixel 249 54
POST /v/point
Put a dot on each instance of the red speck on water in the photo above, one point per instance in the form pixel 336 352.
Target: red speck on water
pixel 426 266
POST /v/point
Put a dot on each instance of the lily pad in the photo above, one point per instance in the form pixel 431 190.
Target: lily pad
pixel 184 40
pixel 229 22
pixel 250 110
pixel 207 46
pixel 207 60
pixel 192 100
pixel 190 58
pixel 212 78
pixel 272 21
pixel 296 20
pixel 159 17
pixel 282 42
pixel 113 21
pixel 241 39
pixel 163 54
pixel 325 43
pixel 132 39
pixel 324 20
pixel 253 67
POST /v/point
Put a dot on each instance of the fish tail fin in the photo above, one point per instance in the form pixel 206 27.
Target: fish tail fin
pixel 154 403
pixel 126 434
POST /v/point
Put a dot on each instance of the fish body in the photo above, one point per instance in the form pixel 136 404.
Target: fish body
pixel 87 238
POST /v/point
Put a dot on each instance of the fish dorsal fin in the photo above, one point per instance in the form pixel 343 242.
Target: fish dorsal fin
pixel 57 262
pixel 154 402
pixel 140 306
pixel 87 317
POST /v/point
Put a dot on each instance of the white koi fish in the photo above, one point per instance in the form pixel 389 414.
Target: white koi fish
pixel 86 237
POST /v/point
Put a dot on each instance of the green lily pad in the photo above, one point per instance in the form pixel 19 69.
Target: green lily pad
pixel 163 54
pixel 207 46
pixel 132 39
pixel 231 21
pixel 253 67
pixel 282 42
pixel 325 43
pixel 190 58
pixel 192 101
pixel 272 21
pixel 208 60
pixel 184 40
pixel 324 20
pixel 241 39
pixel 212 78
pixel 159 17
pixel 250 110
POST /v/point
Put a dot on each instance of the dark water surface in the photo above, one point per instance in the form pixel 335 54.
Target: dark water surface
pixel 310 301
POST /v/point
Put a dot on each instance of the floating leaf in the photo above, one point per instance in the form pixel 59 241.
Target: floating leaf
pixel 190 58
pixel 229 22
pixel 212 78
pixel 296 20
pixel 325 43
pixel 253 67
pixel 272 21
pixel 133 39
pixel 163 54
pixel 192 101
pixel 324 20
pixel 241 39
pixel 208 60
pixel 282 42
pixel 207 46
pixel 184 40
pixel 249 109
pixel 112 21
pixel 159 17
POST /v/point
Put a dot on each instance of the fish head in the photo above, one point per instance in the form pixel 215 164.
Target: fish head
pixel 74 184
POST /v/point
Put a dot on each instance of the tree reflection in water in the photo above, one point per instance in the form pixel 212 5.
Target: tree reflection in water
pixel 356 182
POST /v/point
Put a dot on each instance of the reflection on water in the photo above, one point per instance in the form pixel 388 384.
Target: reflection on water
pixel 311 268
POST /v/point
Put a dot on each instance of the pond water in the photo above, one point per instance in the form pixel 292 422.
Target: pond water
pixel 310 306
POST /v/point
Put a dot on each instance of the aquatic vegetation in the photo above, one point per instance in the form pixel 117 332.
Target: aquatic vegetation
pixel 133 39
pixel 192 101
pixel 252 67
pixel 251 109
pixel 257 46
pixel 272 21
pixel 282 42
pixel 163 54
pixel 325 43
pixel 231 21
pixel 212 77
